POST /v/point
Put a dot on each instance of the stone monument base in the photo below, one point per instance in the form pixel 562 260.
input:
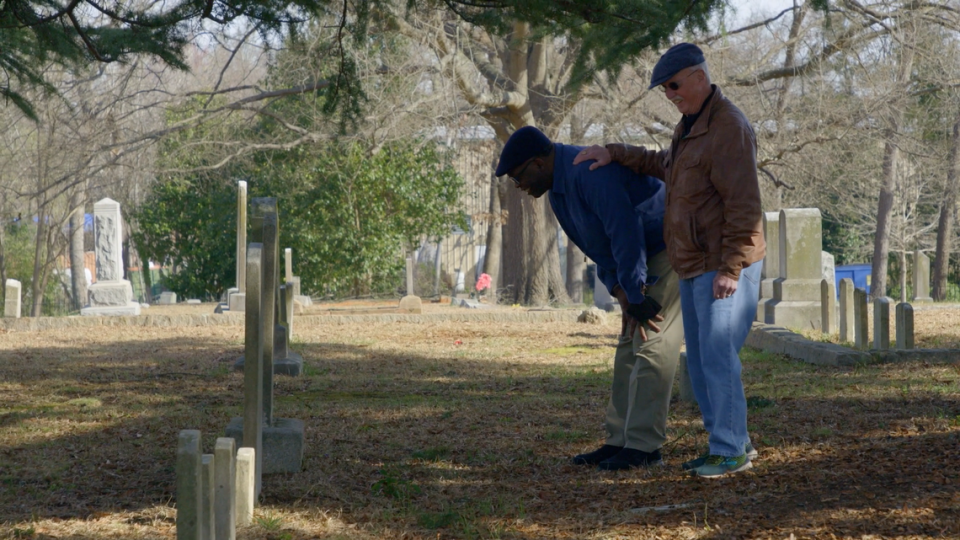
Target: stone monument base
pixel 291 365
pixel 110 293
pixel 282 444
pixel 237 302
pixel 131 309
pixel 795 315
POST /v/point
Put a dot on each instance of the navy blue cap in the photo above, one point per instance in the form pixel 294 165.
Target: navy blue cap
pixel 680 56
pixel 525 143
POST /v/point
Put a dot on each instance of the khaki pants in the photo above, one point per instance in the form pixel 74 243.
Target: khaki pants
pixel 643 371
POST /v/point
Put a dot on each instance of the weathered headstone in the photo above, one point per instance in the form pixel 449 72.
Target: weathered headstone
pixel 828 301
pixel 410 280
pixel 111 294
pixel 167 298
pixel 188 485
pixel 236 301
pixel 225 482
pixel 12 300
pixel 410 304
pixel 881 323
pixel 796 293
pixel 287 265
pixel 921 277
pixel 847 320
pixel 904 326
pixel 208 525
pixel 246 485
pixel 771 261
pixel 861 319
pixel 281 439
pixel 285 361
pixel 288 309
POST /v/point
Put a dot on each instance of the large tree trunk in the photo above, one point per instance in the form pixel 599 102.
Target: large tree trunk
pixel 891 159
pixel 491 262
pixel 78 279
pixel 576 266
pixel 36 285
pixel 941 263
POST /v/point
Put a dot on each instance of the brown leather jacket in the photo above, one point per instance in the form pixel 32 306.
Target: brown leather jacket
pixel 714 219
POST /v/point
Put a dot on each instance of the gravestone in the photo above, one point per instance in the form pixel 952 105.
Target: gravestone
pixel 208 526
pixel 246 488
pixel 264 227
pixel 111 294
pixel 796 293
pixel 904 326
pixel 828 299
pixel 847 319
pixel 237 300
pixel 861 319
pixel 287 265
pixel 12 300
pixel 225 486
pixel 285 361
pixel 280 439
pixel 771 261
pixel 188 485
pixel 167 298
pixel 921 277
pixel 881 323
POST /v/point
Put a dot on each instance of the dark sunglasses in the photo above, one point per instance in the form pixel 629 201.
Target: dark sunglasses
pixel 674 85
pixel 520 173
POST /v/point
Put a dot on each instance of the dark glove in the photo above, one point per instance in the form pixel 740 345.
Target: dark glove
pixel 644 311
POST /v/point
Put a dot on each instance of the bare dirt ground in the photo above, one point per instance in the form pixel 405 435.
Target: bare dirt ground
pixel 465 430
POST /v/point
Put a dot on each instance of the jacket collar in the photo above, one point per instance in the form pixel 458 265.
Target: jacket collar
pixel 703 121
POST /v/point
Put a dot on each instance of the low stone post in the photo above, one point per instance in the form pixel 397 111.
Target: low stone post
pixel 12 300
pixel 246 485
pixel 225 484
pixel 861 320
pixel 904 326
pixel 881 323
pixel 921 277
pixel 208 526
pixel 847 318
pixel 828 299
pixel 188 485
pixel 771 262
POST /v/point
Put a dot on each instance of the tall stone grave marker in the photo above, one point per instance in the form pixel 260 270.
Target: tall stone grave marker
pixel 847 320
pixel 771 262
pixel 828 312
pixel 281 438
pixel 287 265
pixel 111 294
pixel 921 277
pixel 796 293
pixel 188 485
pixel 904 326
pixel 881 323
pixel 410 303
pixel 12 300
pixel 861 320
pixel 236 301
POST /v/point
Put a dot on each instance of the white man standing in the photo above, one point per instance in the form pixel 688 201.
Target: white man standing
pixel 616 218
pixel 714 236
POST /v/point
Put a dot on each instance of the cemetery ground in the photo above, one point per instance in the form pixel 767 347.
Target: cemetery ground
pixel 465 430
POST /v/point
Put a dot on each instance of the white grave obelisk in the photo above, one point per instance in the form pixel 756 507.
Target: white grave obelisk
pixel 111 294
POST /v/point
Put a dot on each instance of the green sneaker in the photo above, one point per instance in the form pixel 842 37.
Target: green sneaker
pixel 717 466
pixel 751 452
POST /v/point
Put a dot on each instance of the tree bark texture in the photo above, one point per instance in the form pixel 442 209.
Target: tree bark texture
pixel 491 262
pixel 891 160
pixel 78 279
pixel 941 262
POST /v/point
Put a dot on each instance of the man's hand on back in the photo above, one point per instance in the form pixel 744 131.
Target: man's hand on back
pixel 599 154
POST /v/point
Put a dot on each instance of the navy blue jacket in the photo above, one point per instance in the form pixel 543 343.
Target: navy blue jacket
pixel 613 216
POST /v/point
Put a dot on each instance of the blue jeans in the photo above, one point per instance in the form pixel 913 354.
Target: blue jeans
pixel 714 331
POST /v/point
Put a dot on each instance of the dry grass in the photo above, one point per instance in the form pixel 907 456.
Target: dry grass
pixel 464 431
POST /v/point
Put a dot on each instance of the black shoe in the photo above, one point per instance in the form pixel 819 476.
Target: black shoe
pixel 629 458
pixel 595 457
